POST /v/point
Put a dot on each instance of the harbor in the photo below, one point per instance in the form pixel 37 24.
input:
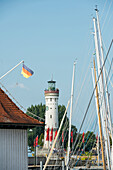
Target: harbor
pixel 55 108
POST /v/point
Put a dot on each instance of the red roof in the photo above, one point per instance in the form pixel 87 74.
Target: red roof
pixel 10 114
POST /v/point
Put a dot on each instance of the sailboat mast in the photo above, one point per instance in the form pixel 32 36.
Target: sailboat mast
pixel 97 103
pixel 102 96
pixel 106 87
pixel 70 115
pixel 99 118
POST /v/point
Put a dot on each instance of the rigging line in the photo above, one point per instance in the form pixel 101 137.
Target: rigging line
pixel 93 92
pixel 109 19
pixel 92 146
pixel 65 126
pixel 91 151
pixel 106 15
pixel 109 72
pixel 85 130
pixel 86 71
pixel 87 140
pixel 89 50
pixel 109 78
pixel 106 81
pixel 20 104
pixel 76 102
pixel 105 68
pixel 103 9
pixel 91 120
pixel 95 126
pixel 105 51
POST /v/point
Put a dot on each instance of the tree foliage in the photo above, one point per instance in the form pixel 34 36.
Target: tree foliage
pixel 39 110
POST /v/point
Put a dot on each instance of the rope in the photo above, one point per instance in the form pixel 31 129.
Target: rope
pixel 93 92
pixel 106 70
pixel 81 136
pixel 76 102
pixel 103 9
pixel 107 14
pixel 20 104
pixel 86 143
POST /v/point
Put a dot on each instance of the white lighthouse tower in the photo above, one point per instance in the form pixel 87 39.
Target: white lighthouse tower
pixel 51 113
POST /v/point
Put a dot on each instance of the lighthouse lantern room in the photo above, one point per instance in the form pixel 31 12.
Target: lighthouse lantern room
pixel 51 113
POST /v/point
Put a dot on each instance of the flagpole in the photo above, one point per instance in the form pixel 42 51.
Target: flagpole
pixel 11 69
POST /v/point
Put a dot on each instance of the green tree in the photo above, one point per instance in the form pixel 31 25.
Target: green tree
pixel 61 110
pixel 39 110
pixel 89 141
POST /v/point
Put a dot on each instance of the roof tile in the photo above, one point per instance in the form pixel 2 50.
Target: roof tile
pixel 10 113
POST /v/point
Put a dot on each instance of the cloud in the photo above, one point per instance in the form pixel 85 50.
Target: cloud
pixel 19 85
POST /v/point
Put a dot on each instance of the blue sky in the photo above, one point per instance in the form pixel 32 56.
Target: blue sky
pixel 49 36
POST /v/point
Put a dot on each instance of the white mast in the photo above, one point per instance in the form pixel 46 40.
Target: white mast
pixel 96 109
pixel 95 91
pixel 70 115
pixel 102 97
pixel 106 87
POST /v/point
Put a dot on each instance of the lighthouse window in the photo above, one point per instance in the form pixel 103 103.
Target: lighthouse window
pixel 51 108
pixel 50 99
pixel 47 108
pixel 50 116
pixel 55 99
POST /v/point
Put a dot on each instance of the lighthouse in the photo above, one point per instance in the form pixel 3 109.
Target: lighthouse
pixel 51 113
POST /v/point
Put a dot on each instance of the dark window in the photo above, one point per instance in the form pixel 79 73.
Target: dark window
pixel 50 116
pixel 50 99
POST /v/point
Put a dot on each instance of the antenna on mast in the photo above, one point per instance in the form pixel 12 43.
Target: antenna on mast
pixel 52 78
pixel 96 9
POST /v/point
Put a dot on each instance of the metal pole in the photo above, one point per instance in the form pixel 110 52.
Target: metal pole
pixel 70 115
pixel 99 117
pixel 102 96
pixel 41 165
pixel 106 87
pixel 11 69
pixel 95 91
pixel 62 165
pixel 96 109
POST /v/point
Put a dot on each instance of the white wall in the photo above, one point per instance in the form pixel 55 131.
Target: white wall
pixel 13 149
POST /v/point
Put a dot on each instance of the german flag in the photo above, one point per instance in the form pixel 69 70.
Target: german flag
pixel 26 71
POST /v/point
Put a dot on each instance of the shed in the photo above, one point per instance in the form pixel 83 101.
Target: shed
pixel 13 134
